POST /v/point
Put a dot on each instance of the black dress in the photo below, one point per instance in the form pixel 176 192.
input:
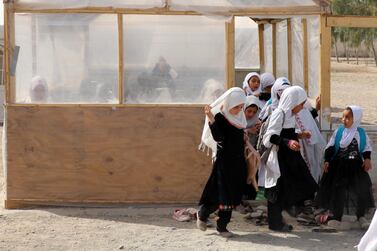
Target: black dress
pixel 346 184
pixel 225 185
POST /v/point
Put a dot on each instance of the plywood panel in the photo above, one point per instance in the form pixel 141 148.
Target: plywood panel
pixel 126 154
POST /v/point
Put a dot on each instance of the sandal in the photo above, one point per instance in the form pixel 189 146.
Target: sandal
pixel 322 218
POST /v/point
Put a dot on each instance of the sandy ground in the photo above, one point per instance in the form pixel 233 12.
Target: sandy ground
pixel 152 228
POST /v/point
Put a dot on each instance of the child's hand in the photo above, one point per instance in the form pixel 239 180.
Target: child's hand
pixel 252 130
pixel 209 114
pixel 367 165
pixel 258 124
pixel 294 145
pixel 305 135
pixel 326 167
pixel 318 103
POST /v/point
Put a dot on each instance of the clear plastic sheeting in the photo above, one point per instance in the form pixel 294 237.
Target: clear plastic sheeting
pixel 281 49
pixel 268 61
pixel 65 4
pixel 224 5
pixel 173 59
pixel 77 55
pixel 313 55
pixel 297 52
pixel 246 43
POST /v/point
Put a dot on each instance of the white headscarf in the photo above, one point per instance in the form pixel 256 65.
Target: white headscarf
pixel 38 81
pixel 266 80
pixel 246 86
pixel 350 133
pixel 231 98
pixel 252 100
pixel 279 86
pixel 212 89
pixel 290 98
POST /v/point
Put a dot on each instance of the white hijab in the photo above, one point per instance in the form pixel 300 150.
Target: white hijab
pixel 290 98
pixel 246 86
pixel 350 133
pixel 277 90
pixel 252 100
pixel 231 98
pixel 266 80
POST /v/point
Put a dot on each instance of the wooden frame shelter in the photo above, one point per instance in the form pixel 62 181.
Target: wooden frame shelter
pixel 127 153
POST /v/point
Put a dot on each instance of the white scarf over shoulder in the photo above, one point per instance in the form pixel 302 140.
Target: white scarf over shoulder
pixel 233 97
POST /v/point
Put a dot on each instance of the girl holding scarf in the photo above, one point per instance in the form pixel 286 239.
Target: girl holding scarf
pixel 223 133
pixel 288 181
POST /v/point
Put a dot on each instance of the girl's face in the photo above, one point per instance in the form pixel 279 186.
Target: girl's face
pixel 298 108
pixel 39 93
pixel 237 109
pixel 268 89
pixel 250 112
pixel 254 83
pixel 347 118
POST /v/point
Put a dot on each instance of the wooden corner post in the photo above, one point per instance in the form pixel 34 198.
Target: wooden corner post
pixel 261 47
pixel 325 65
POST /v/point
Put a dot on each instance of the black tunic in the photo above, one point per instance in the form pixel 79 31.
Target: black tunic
pixel 346 180
pixel 226 182
pixel 295 183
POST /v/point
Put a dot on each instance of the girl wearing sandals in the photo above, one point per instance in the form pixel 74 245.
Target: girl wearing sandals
pixel 288 181
pixel 347 162
pixel 223 134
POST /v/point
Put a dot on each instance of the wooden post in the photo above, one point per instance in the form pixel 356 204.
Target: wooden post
pixel 121 59
pixel 289 43
pixel 274 49
pixel 9 44
pixel 305 51
pixel 261 47
pixel 325 64
pixel 229 34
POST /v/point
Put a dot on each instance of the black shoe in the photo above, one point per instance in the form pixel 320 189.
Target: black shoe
pixel 285 228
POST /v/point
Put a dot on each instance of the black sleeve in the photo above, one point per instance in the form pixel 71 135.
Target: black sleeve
pixel 366 155
pixel 277 140
pixel 329 153
pixel 217 128
pixel 314 113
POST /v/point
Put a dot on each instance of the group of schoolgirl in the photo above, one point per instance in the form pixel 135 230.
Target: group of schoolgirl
pixel 275 118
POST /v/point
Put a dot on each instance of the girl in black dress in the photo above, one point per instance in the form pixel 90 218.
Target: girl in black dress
pixel 346 180
pixel 223 133
pixel 288 180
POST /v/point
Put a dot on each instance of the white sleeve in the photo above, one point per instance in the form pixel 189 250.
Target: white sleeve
pixel 332 139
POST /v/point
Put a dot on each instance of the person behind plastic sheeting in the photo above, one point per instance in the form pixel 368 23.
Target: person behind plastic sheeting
pixel 212 90
pixel 38 91
pixel 223 134
pixel 163 76
pixel 288 182
pixel 369 241
pixel 251 84
pixel 267 80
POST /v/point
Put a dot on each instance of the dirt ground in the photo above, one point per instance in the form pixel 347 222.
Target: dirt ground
pixel 152 228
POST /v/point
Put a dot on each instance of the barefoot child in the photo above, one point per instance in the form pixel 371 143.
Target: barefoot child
pixel 347 162
pixel 224 133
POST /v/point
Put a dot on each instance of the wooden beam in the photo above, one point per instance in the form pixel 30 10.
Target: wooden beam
pixel 261 47
pixel 352 21
pixel 229 34
pixel 277 11
pixel 121 59
pixel 274 49
pixel 325 64
pixel 289 44
pixel 9 42
pixel 306 53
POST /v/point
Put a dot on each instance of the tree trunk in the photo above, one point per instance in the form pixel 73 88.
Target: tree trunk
pixel 346 51
pixel 375 54
pixel 357 55
pixel 336 52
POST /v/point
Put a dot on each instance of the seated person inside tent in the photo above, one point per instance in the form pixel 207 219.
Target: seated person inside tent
pixel 38 92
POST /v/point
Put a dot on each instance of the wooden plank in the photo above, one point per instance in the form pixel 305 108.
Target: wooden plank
pixel 352 21
pixel 121 60
pixel 289 44
pixel 278 11
pixel 106 105
pixel 306 53
pixel 274 49
pixel 230 72
pixel 261 47
pixel 92 154
pixel 325 64
pixel 8 22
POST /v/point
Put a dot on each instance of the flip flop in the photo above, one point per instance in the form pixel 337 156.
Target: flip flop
pixel 324 230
